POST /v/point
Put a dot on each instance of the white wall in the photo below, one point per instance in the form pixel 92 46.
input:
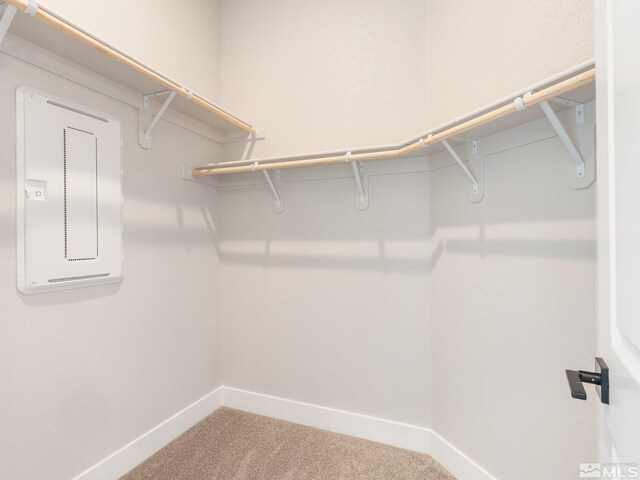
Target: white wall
pixel 395 312
pixel 512 304
pixel 486 50
pixel 322 75
pixel 426 309
pixel 325 304
pixel 179 39
pixel 86 371
pixel 332 75
pixel 325 75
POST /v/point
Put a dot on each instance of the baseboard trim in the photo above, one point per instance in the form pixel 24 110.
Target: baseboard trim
pixel 410 437
pixel 455 461
pixel 138 450
pixel 339 421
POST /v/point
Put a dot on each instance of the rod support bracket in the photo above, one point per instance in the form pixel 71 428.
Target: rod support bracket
pixel 474 184
pixel 145 140
pixel 5 22
pixel 276 188
pixel 580 113
pixel 148 96
pixel 473 141
pixel 564 137
pixel 578 106
pixel 362 194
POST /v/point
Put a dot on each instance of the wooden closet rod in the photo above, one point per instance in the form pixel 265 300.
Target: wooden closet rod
pixel 527 100
pixel 102 47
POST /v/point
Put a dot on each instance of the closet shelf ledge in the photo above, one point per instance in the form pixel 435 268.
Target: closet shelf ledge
pixel 480 123
pixel 60 36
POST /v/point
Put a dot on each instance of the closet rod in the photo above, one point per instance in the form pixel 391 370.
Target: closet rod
pixel 75 32
pixel 570 72
pixel 555 90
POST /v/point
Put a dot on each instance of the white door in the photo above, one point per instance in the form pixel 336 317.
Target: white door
pixel 618 137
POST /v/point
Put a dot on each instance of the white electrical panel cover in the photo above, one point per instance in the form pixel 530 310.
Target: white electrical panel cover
pixel 69 194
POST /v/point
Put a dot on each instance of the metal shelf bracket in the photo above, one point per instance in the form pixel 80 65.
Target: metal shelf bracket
pixel 557 126
pixel 564 137
pixel 475 185
pixel 362 197
pixel 473 141
pixel 579 107
pixel 276 189
pixel 7 17
pixel 161 93
pixel 158 116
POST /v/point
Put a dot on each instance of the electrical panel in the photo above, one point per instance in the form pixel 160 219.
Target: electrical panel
pixel 69 194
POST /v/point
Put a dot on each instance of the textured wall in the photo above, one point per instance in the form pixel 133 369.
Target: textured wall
pixel 426 309
pixel 86 371
pixel 325 304
pixel 334 74
pixel 485 50
pixel 389 312
pixel 179 39
pixel 323 75
pixel 330 74
pixel 512 304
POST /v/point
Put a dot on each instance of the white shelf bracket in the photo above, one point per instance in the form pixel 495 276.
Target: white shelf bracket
pixel 564 137
pixel 579 107
pixel 158 116
pixel 362 198
pixel 473 141
pixel 475 186
pixel 161 93
pixel 276 196
pixel 278 200
pixel 5 22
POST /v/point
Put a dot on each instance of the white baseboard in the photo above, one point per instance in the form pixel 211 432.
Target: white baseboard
pixel 384 431
pixel 138 450
pixel 457 463
pixel 410 437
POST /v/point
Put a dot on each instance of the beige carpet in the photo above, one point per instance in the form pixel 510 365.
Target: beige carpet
pixel 230 444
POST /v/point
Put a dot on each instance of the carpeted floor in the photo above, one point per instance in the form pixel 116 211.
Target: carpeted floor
pixel 231 444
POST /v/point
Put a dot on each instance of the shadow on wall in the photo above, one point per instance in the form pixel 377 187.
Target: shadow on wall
pixel 65 297
pixel 380 261
pixel 190 229
pixel 151 227
pixel 153 224
pixel 569 249
pixel 414 219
